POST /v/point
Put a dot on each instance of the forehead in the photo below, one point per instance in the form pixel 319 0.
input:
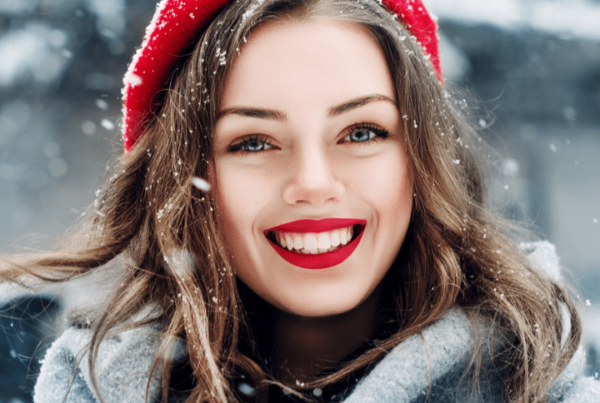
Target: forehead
pixel 325 60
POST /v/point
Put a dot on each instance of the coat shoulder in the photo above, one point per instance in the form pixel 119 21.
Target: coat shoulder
pixel 542 255
pixel 430 366
pixel 122 367
pixel 582 390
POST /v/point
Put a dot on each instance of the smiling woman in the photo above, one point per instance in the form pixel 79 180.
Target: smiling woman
pixel 338 247
pixel 315 150
pixel 301 177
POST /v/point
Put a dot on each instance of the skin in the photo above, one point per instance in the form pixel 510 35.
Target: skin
pixel 297 73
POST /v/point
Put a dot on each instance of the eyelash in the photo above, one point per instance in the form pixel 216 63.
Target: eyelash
pixel 255 138
pixel 379 132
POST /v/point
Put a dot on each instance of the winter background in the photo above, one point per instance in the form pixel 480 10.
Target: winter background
pixel 533 66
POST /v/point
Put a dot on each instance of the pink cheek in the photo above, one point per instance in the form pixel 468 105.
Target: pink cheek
pixel 384 183
pixel 242 193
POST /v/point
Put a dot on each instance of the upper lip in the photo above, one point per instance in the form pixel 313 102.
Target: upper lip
pixel 327 224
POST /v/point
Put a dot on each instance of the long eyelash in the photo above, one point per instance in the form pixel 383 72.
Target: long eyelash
pixel 237 147
pixel 381 132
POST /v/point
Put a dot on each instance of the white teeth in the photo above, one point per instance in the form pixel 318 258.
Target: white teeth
pixel 323 240
pixel 289 241
pixel 345 235
pixel 297 242
pixel 335 238
pixel 314 243
pixel 310 241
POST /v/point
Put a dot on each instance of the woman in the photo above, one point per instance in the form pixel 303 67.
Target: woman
pixel 338 247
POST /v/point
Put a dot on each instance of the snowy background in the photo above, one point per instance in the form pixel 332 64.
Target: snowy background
pixel 533 66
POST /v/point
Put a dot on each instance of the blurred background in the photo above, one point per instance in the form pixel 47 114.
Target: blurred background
pixel 532 65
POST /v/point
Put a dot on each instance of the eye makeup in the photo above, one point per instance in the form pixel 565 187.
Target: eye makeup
pixel 364 132
pixel 250 144
pixel 358 133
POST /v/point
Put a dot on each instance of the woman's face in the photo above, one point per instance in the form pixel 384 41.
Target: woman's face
pixel 312 180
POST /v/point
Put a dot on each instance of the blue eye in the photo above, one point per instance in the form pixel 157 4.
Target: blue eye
pixel 363 133
pixel 253 144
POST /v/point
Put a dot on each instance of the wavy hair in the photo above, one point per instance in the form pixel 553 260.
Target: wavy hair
pixel 174 264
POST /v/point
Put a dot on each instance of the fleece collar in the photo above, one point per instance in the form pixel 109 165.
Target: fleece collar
pixel 432 361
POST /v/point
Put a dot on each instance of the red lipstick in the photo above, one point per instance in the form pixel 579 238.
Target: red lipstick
pixel 321 260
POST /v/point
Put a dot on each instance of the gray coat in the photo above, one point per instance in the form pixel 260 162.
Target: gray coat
pixel 404 375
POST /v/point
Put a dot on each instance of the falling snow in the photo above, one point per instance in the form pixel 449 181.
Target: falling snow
pixel 102 104
pixel 201 184
pixel 107 124
pixel 88 127
pixel 246 389
pixel 54 53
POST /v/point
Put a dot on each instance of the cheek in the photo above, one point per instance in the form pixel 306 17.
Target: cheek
pixel 384 182
pixel 241 194
pixel 237 187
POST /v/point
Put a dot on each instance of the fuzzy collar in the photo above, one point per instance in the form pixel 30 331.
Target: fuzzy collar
pixel 430 362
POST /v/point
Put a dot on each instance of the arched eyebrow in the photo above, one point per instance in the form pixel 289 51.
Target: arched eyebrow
pixel 270 114
pixel 253 113
pixel 357 103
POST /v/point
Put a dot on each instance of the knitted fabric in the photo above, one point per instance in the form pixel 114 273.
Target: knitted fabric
pixel 175 25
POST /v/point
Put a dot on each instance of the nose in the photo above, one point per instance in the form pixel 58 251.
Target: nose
pixel 313 180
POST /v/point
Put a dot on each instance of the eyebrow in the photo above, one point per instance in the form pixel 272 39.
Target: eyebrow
pixel 357 103
pixel 253 113
pixel 270 114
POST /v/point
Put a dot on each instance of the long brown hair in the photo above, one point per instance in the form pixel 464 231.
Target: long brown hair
pixel 176 268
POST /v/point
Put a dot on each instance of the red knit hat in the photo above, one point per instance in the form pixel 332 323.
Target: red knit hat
pixel 177 22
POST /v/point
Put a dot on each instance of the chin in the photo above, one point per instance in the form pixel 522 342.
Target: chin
pixel 313 305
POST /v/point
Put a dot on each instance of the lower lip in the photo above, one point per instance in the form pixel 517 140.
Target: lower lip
pixel 320 261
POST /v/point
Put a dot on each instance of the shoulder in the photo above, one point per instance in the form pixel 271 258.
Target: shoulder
pixel 405 373
pixel 542 255
pixel 572 387
pixel 435 357
pixel 582 390
pixel 430 366
pixel 122 367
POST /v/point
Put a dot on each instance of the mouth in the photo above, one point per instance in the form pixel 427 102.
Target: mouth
pixel 311 244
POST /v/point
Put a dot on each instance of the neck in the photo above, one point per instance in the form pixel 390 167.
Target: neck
pixel 305 346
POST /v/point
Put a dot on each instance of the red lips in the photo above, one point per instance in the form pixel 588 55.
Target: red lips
pixel 322 260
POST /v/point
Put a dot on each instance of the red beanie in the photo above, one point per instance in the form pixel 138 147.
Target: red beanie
pixel 177 22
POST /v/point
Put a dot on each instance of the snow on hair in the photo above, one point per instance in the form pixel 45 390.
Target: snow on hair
pixel 160 224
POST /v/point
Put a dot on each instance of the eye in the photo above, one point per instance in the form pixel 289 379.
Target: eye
pixel 252 144
pixel 363 133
